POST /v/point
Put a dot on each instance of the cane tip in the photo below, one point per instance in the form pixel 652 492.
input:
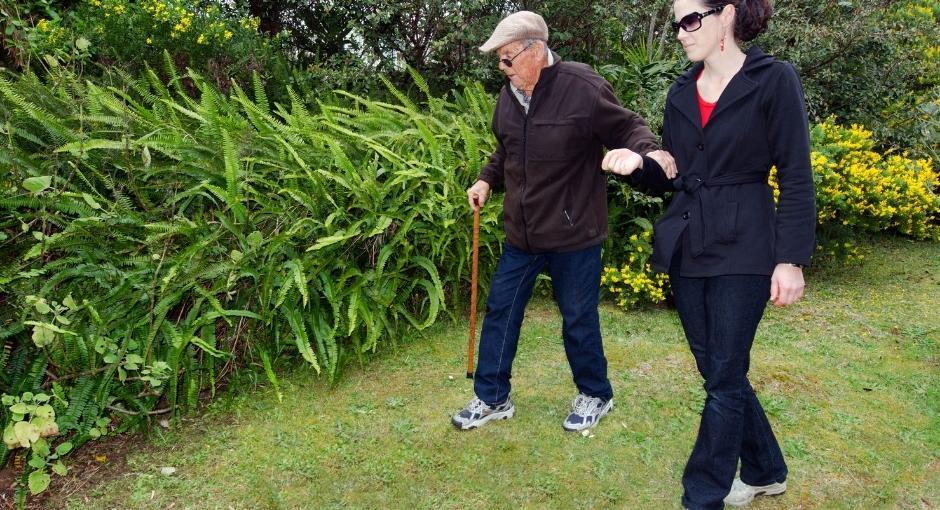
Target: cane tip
pixel 469 375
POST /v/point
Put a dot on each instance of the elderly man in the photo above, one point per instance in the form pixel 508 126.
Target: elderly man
pixel 552 122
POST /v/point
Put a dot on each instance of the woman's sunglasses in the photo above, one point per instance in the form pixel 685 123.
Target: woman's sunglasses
pixel 693 21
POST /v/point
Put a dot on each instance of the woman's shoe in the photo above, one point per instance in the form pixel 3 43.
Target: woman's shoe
pixel 742 493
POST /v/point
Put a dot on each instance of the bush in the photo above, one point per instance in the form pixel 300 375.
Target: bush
pixel 866 62
pixel 634 281
pixel 153 244
pixel 860 191
pixel 642 78
pixel 222 43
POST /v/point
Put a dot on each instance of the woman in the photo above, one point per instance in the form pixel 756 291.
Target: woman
pixel 725 245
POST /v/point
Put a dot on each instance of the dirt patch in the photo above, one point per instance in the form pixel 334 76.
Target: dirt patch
pixel 7 483
pixel 95 463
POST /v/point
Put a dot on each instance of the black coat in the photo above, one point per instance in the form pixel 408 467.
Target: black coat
pixel 549 160
pixel 722 214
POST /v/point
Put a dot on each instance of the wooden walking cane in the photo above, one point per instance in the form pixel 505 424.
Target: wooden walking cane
pixel 473 286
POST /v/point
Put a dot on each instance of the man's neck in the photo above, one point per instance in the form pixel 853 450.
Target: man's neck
pixel 547 61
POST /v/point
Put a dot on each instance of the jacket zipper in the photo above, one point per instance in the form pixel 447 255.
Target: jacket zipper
pixel 525 164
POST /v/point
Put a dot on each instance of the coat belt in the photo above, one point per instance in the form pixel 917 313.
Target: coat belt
pixel 704 203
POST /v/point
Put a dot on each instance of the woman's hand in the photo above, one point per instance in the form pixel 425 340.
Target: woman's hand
pixel 786 284
pixel 622 161
pixel 666 161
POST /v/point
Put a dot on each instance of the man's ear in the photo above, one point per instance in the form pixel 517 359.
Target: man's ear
pixel 544 46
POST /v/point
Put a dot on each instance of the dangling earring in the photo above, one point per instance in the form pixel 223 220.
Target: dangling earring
pixel 722 44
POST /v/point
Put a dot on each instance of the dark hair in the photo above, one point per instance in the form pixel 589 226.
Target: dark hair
pixel 751 18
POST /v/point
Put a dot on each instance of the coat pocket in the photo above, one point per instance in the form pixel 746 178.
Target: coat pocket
pixel 555 139
pixel 725 222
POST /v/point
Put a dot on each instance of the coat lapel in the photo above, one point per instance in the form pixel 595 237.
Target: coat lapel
pixel 685 98
pixel 740 87
pixel 686 101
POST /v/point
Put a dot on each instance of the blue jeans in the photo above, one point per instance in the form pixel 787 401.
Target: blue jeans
pixel 720 316
pixel 576 277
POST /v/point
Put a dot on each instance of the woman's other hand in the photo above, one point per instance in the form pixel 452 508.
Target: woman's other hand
pixel 786 284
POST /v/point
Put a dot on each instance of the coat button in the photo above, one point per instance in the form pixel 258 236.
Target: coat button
pixel 701 147
pixel 685 215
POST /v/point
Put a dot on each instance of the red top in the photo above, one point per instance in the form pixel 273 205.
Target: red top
pixel 704 107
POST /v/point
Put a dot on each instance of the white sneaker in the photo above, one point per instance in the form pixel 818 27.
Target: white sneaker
pixel 477 413
pixel 742 493
pixel 586 412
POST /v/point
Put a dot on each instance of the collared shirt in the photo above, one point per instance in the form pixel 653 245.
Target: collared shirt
pixel 520 94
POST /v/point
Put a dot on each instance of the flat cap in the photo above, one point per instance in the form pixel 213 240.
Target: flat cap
pixel 517 26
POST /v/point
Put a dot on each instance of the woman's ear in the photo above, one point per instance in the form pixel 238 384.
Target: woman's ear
pixel 728 15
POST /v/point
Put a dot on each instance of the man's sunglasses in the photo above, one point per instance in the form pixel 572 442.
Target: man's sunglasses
pixel 508 61
pixel 693 21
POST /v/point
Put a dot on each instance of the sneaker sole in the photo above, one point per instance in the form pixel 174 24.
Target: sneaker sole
pixel 502 415
pixel 603 413
pixel 772 492
pixel 776 491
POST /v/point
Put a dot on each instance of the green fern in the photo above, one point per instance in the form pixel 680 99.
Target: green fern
pixel 78 400
pixel 269 372
pixel 341 229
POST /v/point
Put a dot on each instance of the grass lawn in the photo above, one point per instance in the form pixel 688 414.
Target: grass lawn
pixel 850 377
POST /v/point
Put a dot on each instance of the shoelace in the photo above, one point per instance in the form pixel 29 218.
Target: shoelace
pixel 583 404
pixel 477 406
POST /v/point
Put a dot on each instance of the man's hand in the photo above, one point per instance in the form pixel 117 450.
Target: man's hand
pixel 622 161
pixel 479 191
pixel 666 161
pixel 786 285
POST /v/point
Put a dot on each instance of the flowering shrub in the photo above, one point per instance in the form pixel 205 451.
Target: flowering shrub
pixel 634 281
pixel 213 39
pixel 870 192
pixel 860 191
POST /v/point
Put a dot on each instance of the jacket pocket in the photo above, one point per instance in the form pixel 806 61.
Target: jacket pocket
pixel 555 139
pixel 725 222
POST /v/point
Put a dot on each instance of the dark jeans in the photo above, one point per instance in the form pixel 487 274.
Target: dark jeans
pixel 720 316
pixel 576 279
